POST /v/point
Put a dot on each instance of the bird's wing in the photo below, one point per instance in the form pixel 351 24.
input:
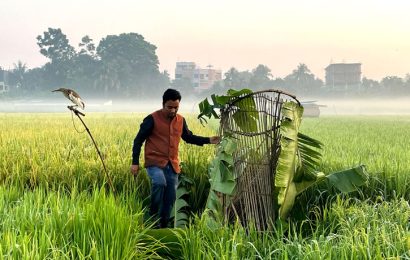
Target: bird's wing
pixel 75 94
pixel 76 100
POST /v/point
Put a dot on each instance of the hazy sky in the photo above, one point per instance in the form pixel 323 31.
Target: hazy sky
pixel 243 34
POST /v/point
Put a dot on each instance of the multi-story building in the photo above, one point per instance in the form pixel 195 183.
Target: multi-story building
pixel 201 79
pixel 341 76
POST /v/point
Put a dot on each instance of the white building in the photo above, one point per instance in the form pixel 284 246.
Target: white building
pixel 201 79
pixel 3 81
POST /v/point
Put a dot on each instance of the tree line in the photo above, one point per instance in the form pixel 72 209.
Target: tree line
pixel 126 65
pixel 121 65
pixel 302 82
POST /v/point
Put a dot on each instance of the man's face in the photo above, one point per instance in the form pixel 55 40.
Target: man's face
pixel 170 108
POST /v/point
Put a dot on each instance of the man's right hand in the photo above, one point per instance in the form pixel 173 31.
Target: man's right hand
pixel 134 169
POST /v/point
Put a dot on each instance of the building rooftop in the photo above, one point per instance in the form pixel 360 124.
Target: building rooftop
pixel 343 65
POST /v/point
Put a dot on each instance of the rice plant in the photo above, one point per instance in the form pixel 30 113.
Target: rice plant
pixel 53 203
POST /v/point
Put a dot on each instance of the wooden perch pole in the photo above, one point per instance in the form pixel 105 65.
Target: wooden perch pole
pixel 78 113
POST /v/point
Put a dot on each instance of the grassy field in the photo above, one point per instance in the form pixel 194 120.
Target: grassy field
pixel 54 204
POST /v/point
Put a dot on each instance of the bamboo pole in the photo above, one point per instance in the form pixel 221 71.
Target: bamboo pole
pixel 78 113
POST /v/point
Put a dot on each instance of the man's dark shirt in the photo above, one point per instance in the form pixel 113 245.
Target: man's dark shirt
pixel 145 130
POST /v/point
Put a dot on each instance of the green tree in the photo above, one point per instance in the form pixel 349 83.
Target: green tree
pixel 84 73
pixel 18 75
pixel 261 78
pixel 34 79
pixel 183 84
pixel 407 83
pixel 235 79
pixel 55 46
pixel 129 64
pixel 87 47
pixel 279 83
pixel 370 86
pixel 392 84
pixel 302 81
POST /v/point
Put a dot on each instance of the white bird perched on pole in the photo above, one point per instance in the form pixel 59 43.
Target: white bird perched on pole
pixel 73 96
pixel 76 99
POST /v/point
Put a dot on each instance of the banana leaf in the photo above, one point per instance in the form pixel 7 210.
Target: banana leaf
pixel 299 157
pixel 180 216
pixel 236 93
pixel 228 145
pixel 213 203
pixel 348 180
pixel 246 117
pixel 222 180
pixel 345 181
pixel 206 109
pixel 180 209
pixel 303 185
pixel 287 161
pixel 169 239
pixel 221 174
pixel 309 156
pixel 298 160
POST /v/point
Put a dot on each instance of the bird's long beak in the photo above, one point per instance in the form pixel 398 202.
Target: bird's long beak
pixel 55 90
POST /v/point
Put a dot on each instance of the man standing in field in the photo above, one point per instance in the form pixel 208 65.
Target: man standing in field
pixel 162 130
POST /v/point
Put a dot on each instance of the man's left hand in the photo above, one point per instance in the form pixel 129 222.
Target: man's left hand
pixel 214 139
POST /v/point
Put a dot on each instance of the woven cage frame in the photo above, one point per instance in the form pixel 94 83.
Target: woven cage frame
pixel 256 156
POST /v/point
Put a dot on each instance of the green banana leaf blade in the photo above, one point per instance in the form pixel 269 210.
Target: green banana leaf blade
pixel 287 161
pixel 345 181
pixel 221 175
pixel 246 117
pixel 180 217
pixel 348 180
pixel 305 184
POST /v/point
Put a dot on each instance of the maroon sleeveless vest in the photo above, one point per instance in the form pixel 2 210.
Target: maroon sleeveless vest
pixel 162 145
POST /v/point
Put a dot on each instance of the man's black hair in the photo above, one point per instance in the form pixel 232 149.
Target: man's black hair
pixel 171 94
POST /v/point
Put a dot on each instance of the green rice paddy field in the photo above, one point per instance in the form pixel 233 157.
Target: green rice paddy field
pixel 54 203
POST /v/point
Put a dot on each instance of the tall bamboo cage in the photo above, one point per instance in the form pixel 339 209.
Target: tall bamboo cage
pixel 256 156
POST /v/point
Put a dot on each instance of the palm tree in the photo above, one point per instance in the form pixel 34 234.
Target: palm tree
pixel 301 77
pixel 19 72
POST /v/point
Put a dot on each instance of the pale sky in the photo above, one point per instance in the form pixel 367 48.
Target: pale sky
pixel 242 34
